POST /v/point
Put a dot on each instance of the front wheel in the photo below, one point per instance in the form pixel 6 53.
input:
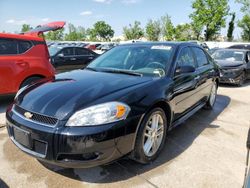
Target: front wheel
pixel 212 97
pixel 151 136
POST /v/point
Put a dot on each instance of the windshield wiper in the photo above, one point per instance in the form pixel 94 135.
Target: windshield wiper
pixel 118 71
pixel 90 68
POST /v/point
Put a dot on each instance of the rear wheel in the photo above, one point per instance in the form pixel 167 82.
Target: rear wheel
pixel 29 81
pixel 151 136
pixel 212 97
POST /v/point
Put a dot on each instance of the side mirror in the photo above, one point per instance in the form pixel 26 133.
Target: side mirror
pixel 61 55
pixel 184 69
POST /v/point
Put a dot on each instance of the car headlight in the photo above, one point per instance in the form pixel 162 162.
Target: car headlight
pixel 99 114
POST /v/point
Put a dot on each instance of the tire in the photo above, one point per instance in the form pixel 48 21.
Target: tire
pixel 29 81
pixel 142 152
pixel 242 79
pixel 212 97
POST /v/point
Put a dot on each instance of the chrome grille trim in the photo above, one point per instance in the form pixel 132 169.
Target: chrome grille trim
pixel 36 118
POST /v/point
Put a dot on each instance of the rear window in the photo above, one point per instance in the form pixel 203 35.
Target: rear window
pixel 24 46
pixel 8 47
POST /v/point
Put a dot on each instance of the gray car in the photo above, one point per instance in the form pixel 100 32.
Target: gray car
pixel 234 65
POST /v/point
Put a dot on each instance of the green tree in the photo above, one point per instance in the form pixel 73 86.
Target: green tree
pixel 133 31
pixel 211 14
pixel 231 28
pixel 153 30
pixel 103 31
pixel 184 32
pixel 197 27
pixel 25 28
pixel 244 24
pixel 168 30
pixel 91 34
pixel 246 5
pixel 55 35
pixel 72 34
pixel 81 33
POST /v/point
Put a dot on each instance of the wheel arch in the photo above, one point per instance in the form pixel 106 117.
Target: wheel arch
pixel 165 106
pixel 31 76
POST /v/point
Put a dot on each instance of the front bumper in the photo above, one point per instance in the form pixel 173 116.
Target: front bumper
pixel 230 77
pixel 73 147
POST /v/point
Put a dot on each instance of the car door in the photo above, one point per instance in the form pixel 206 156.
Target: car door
pixel 84 56
pixel 8 60
pixel 206 72
pixel 185 85
pixel 65 60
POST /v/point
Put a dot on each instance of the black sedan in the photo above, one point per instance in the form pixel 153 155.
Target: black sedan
pixel 234 65
pixel 123 103
pixel 67 58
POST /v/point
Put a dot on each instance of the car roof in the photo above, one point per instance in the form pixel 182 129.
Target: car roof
pixel 20 36
pixel 232 49
pixel 161 43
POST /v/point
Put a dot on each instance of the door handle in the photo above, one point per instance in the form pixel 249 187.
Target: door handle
pixel 73 59
pixel 91 57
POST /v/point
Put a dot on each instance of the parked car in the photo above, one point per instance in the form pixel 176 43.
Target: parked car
pixel 105 47
pixel 234 65
pixel 66 58
pixel 24 58
pixel 124 102
pixel 240 46
pixel 92 46
pixel 212 50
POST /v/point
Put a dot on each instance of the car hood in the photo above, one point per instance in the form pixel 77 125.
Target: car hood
pixel 229 64
pixel 75 90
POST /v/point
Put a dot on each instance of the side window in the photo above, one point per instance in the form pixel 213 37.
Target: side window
pixel 82 51
pixel 24 46
pixel 201 57
pixel 8 47
pixel 185 58
pixel 67 51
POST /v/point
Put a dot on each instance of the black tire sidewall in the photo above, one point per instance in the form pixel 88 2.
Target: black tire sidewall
pixel 139 154
pixel 209 105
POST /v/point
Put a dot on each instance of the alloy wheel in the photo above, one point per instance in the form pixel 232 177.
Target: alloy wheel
pixel 153 134
pixel 212 97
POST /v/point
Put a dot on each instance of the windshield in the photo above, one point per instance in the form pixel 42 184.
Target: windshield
pixel 228 55
pixel 53 50
pixel 151 60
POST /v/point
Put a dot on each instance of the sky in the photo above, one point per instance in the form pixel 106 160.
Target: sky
pixel 117 13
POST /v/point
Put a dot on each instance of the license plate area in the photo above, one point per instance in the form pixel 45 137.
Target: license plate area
pixel 22 137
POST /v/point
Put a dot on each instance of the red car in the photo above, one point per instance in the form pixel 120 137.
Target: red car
pixel 24 58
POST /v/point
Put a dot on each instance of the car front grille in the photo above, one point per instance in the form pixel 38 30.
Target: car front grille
pixel 42 119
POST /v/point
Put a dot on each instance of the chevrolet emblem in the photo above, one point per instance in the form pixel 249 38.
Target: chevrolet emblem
pixel 28 115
